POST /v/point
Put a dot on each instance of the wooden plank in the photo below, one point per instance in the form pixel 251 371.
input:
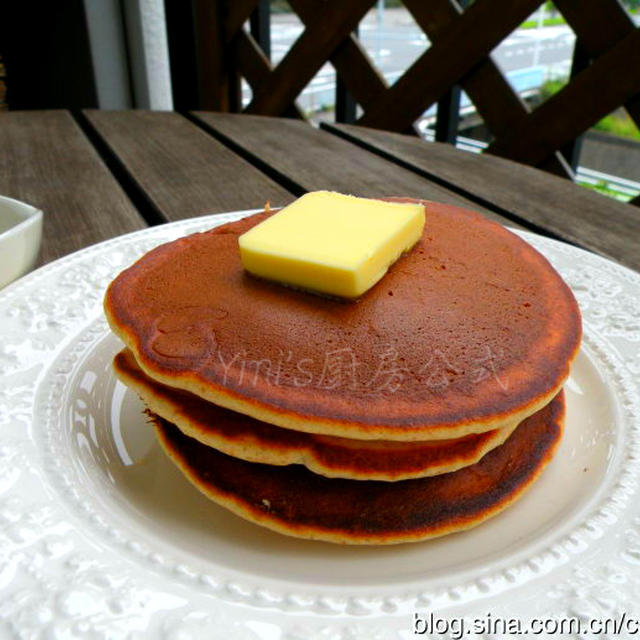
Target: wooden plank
pixel 580 60
pixel 541 201
pixel 237 13
pixel 497 103
pixel 448 110
pixel 480 28
pixel 604 85
pixel 255 67
pixel 307 55
pixel 218 83
pixel 596 40
pixel 181 170
pixel 48 162
pixel 313 159
pixel 351 61
pixel 358 72
pixel 587 22
pixel 201 71
pixel 495 100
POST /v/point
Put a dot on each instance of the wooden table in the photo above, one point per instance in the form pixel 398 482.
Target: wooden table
pixel 103 173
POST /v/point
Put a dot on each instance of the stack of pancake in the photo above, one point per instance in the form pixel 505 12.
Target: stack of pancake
pixel 423 408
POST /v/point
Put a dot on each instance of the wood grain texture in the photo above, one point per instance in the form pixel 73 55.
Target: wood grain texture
pixel 255 67
pixel 48 162
pixel 202 73
pixel 480 28
pixel 237 13
pixel 335 21
pixel 596 40
pixel 357 71
pixel 218 84
pixel 182 171
pixel 498 104
pixel 606 84
pixel 350 60
pixel 541 201
pixel 588 22
pixel 252 63
pixel 314 159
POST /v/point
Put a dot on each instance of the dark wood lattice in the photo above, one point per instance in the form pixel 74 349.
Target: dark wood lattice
pixel 459 55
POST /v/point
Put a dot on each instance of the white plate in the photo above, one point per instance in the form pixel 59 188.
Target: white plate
pixel 101 536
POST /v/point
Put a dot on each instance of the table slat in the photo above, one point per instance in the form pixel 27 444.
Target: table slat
pixel 536 198
pixel 311 159
pixel 46 160
pixel 180 169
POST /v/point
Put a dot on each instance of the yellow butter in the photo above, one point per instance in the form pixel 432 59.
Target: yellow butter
pixel 331 243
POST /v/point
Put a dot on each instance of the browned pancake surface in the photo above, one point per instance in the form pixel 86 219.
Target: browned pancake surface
pixel 470 331
pixel 295 501
pixel 243 437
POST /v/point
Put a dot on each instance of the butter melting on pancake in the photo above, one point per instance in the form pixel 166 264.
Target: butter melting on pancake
pixel 294 501
pixel 243 437
pixel 471 331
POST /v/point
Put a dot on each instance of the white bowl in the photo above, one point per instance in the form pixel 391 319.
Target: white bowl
pixel 20 237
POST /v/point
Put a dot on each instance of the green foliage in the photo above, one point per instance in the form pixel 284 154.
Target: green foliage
pixel 601 187
pixel 619 124
pixel 280 6
pixel 547 22
pixel 550 87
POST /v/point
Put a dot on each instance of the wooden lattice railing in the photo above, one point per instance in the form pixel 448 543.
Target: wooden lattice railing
pixel 3 88
pixel 606 68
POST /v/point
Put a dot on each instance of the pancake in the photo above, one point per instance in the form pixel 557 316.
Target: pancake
pixel 471 331
pixel 296 502
pixel 244 437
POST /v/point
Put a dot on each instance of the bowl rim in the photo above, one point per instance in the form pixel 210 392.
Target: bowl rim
pixel 33 215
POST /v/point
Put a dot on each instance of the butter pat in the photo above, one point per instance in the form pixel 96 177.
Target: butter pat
pixel 331 243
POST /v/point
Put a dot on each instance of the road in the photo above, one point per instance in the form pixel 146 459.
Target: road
pixel 394 42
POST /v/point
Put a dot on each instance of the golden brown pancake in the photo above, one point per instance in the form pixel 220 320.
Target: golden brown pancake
pixel 243 437
pixel 297 502
pixel 471 331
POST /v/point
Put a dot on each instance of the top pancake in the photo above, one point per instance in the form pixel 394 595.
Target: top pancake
pixel 472 330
